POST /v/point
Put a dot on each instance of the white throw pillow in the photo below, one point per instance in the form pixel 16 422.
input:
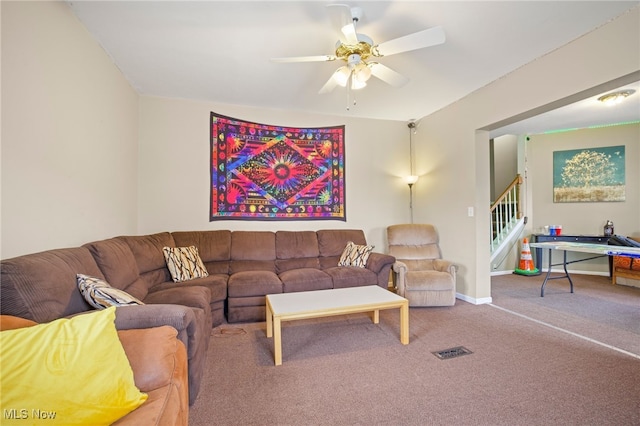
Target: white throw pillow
pixel 355 255
pixel 101 295
pixel 184 263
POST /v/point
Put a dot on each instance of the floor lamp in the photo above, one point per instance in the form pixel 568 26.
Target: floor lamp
pixel 412 178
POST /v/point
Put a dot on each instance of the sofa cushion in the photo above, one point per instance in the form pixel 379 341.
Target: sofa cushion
pixel 147 250
pixel 355 255
pixel 101 295
pixel 191 296
pixel 66 371
pixel 118 265
pixel 216 283
pixel 296 250
pixel 428 281
pixel 214 247
pixel 296 244
pixel 305 279
pixel 184 263
pixel 343 276
pixel 42 286
pixel 331 242
pixel 253 251
pixel 253 283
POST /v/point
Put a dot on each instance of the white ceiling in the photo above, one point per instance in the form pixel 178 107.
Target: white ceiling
pixel 220 51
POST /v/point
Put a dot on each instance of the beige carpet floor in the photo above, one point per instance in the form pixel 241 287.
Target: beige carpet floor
pixel 526 368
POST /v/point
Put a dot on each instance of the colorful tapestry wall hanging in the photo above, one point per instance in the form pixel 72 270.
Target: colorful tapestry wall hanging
pixel 267 172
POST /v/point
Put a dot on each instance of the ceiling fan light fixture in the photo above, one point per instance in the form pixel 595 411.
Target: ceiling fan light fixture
pixel 362 72
pixel 357 84
pixel 615 97
pixel 341 76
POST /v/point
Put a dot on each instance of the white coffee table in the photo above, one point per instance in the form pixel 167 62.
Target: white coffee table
pixel 324 303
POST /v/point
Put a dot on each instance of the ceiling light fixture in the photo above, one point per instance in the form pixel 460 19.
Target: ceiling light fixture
pixel 615 97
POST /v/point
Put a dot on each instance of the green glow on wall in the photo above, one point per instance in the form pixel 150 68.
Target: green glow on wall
pixel 599 126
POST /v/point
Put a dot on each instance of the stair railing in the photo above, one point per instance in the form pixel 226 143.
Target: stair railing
pixel 505 211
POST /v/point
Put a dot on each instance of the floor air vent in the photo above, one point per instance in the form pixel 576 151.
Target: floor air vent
pixel 452 352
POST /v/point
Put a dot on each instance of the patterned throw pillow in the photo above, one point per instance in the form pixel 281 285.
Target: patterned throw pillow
pixel 184 263
pixel 101 295
pixel 355 255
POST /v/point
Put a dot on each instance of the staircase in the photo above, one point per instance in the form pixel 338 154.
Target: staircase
pixel 506 217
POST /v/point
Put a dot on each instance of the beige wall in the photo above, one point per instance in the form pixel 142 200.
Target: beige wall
pixel 72 128
pixel 585 218
pixel 69 134
pixel 174 168
pixel 453 156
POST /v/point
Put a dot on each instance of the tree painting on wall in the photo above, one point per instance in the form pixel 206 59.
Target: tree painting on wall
pixel 589 175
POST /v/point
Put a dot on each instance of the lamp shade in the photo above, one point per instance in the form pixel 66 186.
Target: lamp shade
pixel 410 180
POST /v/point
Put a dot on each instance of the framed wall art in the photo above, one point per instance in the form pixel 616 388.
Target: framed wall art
pixel 589 175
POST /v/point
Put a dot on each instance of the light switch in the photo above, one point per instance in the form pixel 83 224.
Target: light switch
pixel 470 211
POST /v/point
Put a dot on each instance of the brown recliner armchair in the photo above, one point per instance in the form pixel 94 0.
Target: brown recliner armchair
pixel 420 274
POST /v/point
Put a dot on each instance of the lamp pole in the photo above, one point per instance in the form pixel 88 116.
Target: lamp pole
pixel 411 179
pixel 411 201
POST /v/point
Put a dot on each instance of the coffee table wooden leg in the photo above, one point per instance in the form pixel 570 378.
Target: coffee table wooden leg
pixel 277 341
pixel 404 323
pixel 269 321
pixel 375 316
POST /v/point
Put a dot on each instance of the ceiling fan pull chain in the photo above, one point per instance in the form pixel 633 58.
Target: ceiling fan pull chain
pixel 349 88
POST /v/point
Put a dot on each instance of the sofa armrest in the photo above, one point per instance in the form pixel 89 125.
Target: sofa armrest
pixel 152 354
pixel 9 322
pixel 442 265
pixel 148 316
pixel 193 332
pixel 377 261
pixel 159 363
pixel 399 273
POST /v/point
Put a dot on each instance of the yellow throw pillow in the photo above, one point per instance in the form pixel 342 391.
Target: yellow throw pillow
pixel 66 372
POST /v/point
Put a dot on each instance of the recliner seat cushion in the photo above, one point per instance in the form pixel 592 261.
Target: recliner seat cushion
pixel 253 283
pixel 350 276
pixel 305 279
pixel 428 280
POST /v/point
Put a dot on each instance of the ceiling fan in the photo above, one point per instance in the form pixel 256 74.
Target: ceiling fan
pixel 360 53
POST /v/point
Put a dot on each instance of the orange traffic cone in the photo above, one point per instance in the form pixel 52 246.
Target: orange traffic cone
pixel 526 266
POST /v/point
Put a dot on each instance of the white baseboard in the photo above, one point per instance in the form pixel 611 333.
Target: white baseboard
pixel 554 270
pixel 473 300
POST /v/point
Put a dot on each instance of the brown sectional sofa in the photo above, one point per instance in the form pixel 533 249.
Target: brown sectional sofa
pixel 243 267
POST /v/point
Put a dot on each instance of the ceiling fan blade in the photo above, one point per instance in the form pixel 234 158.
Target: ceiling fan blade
pixel 350 35
pixel 320 58
pixel 342 20
pixel 426 38
pixel 388 75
